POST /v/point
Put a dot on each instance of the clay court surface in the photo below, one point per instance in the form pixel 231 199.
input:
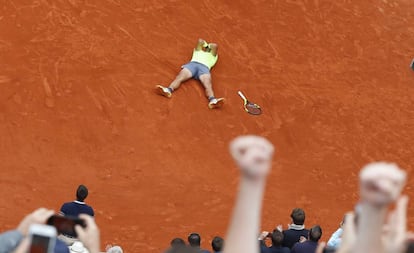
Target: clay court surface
pixel 77 105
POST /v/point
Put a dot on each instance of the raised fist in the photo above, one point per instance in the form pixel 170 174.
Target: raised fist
pixel 253 155
pixel 381 183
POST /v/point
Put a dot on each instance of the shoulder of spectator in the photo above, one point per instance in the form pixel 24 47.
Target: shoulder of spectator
pixel 9 240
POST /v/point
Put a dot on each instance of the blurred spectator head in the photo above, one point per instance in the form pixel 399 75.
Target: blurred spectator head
pixel 217 244
pixel 176 242
pixel 81 193
pixel 194 240
pixel 298 216
pixel 277 237
pixel 315 233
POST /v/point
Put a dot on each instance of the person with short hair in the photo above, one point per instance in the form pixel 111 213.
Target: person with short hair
pixel 296 230
pixel 203 59
pixel 78 206
pixel 176 243
pixel 217 244
pixel 310 245
pixel 194 239
pixel 277 239
pixel 75 208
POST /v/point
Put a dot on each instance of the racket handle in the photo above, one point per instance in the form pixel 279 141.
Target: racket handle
pixel 241 95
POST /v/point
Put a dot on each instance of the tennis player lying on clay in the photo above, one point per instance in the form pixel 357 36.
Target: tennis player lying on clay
pixel 204 58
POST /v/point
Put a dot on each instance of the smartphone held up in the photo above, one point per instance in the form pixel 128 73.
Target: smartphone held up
pixel 42 238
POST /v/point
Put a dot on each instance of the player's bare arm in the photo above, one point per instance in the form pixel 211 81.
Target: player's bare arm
pixel 213 48
pixel 200 44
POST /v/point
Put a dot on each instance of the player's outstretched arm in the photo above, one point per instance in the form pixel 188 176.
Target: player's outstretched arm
pixel 253 155
pixel 213 48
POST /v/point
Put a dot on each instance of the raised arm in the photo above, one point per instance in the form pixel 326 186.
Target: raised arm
pixel 200 44
pixel 380 186
pixel 253 155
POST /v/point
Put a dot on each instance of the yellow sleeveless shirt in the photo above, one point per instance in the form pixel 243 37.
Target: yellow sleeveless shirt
pixel 205 58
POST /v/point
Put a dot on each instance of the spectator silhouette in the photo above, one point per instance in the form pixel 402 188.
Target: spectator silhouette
pixel 194 239
pixel 175 243
pixel 277 240
pixel 217 244
pixel 310 245
pixel 75 208
pixel 78 206
pixel 296 230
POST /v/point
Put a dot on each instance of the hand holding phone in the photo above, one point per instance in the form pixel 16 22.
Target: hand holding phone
pixel 89 235
pixel 42 238
pixel 38 216
pixel 66 224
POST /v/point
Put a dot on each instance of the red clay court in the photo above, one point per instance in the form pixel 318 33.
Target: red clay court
pixel 77 106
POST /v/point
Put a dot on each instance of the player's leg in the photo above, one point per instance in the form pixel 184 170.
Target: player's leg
pixel 214 102
pixel 182 76
pixel 206 81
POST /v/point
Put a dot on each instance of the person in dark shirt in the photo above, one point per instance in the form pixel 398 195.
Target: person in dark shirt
pixel 78 206
pixel 277 238
pixel 75 208
pixel 296 230
pixel 217 244
pixel 175 245
pixel 310 245
pixel 194 240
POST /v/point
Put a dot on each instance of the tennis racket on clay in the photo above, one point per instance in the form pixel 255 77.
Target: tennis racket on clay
pixel 250 107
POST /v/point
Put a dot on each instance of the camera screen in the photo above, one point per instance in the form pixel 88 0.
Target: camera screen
pixel 39 244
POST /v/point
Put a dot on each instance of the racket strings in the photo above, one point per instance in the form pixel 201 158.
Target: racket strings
pixel 253 109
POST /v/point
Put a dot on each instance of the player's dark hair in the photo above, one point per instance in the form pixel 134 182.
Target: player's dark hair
pixel 217 243
pixel 194 240
pixel 81 193
pixel 298 216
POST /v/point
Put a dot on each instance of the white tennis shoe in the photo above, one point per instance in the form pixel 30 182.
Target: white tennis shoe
pixel 164 91
pixel 216 103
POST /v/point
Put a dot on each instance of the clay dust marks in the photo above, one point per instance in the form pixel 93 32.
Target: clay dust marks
pixel 94 98
pixel 49 99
